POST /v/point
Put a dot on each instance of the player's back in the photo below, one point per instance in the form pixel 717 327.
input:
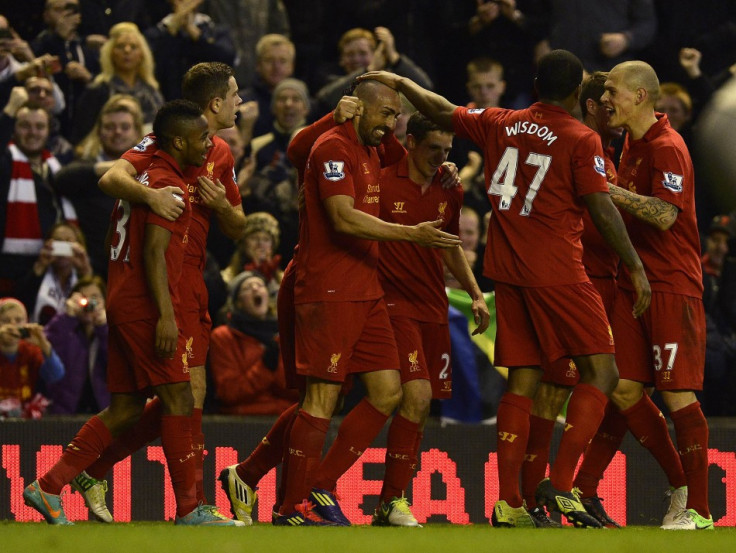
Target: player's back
pixel 540 161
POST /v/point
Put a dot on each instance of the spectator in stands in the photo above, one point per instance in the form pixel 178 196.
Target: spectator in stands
pixel 720 343
pixel 362 50
pixel 62 262
pixel 79 336
pixel 76 58
pixel 127 68
pixel 601 34
pixel 249 21
pixel 675 101
pixel 119 127
pixel 275 62
pixel 272 187
pixel 256 251
pixel 245 362
pixel 44 93
pixel 26 357
pixel 184 38
pixel 98 16
pixel 29 206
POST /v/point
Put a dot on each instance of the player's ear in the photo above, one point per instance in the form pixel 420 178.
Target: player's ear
pixel 215 104
pixel 178 142
pixel 590 106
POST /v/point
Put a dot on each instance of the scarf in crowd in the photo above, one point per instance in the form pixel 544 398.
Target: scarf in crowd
pixel 23 233
pixel 51 298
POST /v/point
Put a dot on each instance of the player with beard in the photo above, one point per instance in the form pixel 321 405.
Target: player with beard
pixel 337 285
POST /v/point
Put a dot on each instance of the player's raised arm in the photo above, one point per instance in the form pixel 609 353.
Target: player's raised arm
pixel 434 106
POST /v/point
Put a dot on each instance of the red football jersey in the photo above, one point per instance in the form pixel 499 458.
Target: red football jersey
pixel 412 276
pixel 540 161
pixel 128 296
pixel 659 165
pixel 334 266
pixel 600 259
pixel 19 376
pixel 219 165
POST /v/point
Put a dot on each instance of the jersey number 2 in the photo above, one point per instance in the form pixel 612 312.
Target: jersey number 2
pixel 502 181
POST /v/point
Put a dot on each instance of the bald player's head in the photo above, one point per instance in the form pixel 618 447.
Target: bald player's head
pixel 381 107
pixel 638 74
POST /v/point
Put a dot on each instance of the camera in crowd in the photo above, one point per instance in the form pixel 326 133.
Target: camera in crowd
pixel 24 333
pixel 88 304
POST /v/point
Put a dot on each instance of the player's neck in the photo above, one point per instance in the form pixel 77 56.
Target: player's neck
pixel 417 177
pixel 640 125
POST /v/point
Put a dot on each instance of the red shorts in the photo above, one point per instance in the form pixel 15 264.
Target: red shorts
pixel 132 364
pixel 666 345
pixel 194 317
pixel 424 353
pixel 334 339
pixel 563 372
pixel 547 323
pixel 286 316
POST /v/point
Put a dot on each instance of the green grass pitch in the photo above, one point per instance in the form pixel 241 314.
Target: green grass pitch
pixel 154 537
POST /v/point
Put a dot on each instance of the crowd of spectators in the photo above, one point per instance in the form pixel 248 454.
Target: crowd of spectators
pixel 81 80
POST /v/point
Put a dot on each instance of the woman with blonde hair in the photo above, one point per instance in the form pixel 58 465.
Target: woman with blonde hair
pixel 127 67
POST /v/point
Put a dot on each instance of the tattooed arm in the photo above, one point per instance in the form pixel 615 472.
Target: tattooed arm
pixel 651 210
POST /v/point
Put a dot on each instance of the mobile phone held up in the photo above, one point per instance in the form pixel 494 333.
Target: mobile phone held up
pixel 61 248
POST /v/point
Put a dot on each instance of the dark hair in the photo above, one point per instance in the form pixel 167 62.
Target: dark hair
pixel 593 89
pixel 206 81
pixel 171 119
pixel 92 280
pixel 559 73
pixel 419 126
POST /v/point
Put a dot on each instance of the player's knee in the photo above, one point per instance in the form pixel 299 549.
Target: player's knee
pixel 176 398
pixel 387 399
pixel 626 394
pixel 415 400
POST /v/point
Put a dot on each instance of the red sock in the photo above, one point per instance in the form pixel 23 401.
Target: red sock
pixel 401 457
pixel 601 451
pixel 147 429
pixel 691 429
pixel 198 448
pixel 269 453
pixel 285 461
pixel 90 441
pixel 357 431
pixel 306 439
pixel 584 416
pixel 513 434
pixel 176 439
pixel 649 426
pixel 534 467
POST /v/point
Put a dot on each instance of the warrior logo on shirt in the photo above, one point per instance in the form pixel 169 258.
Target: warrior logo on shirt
pixel 334 360
pixel 476 110
pixel 672 182
pixel 399 207
pixel 334 170
pixel 413 365
pixel 143 144
pixel 599 165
